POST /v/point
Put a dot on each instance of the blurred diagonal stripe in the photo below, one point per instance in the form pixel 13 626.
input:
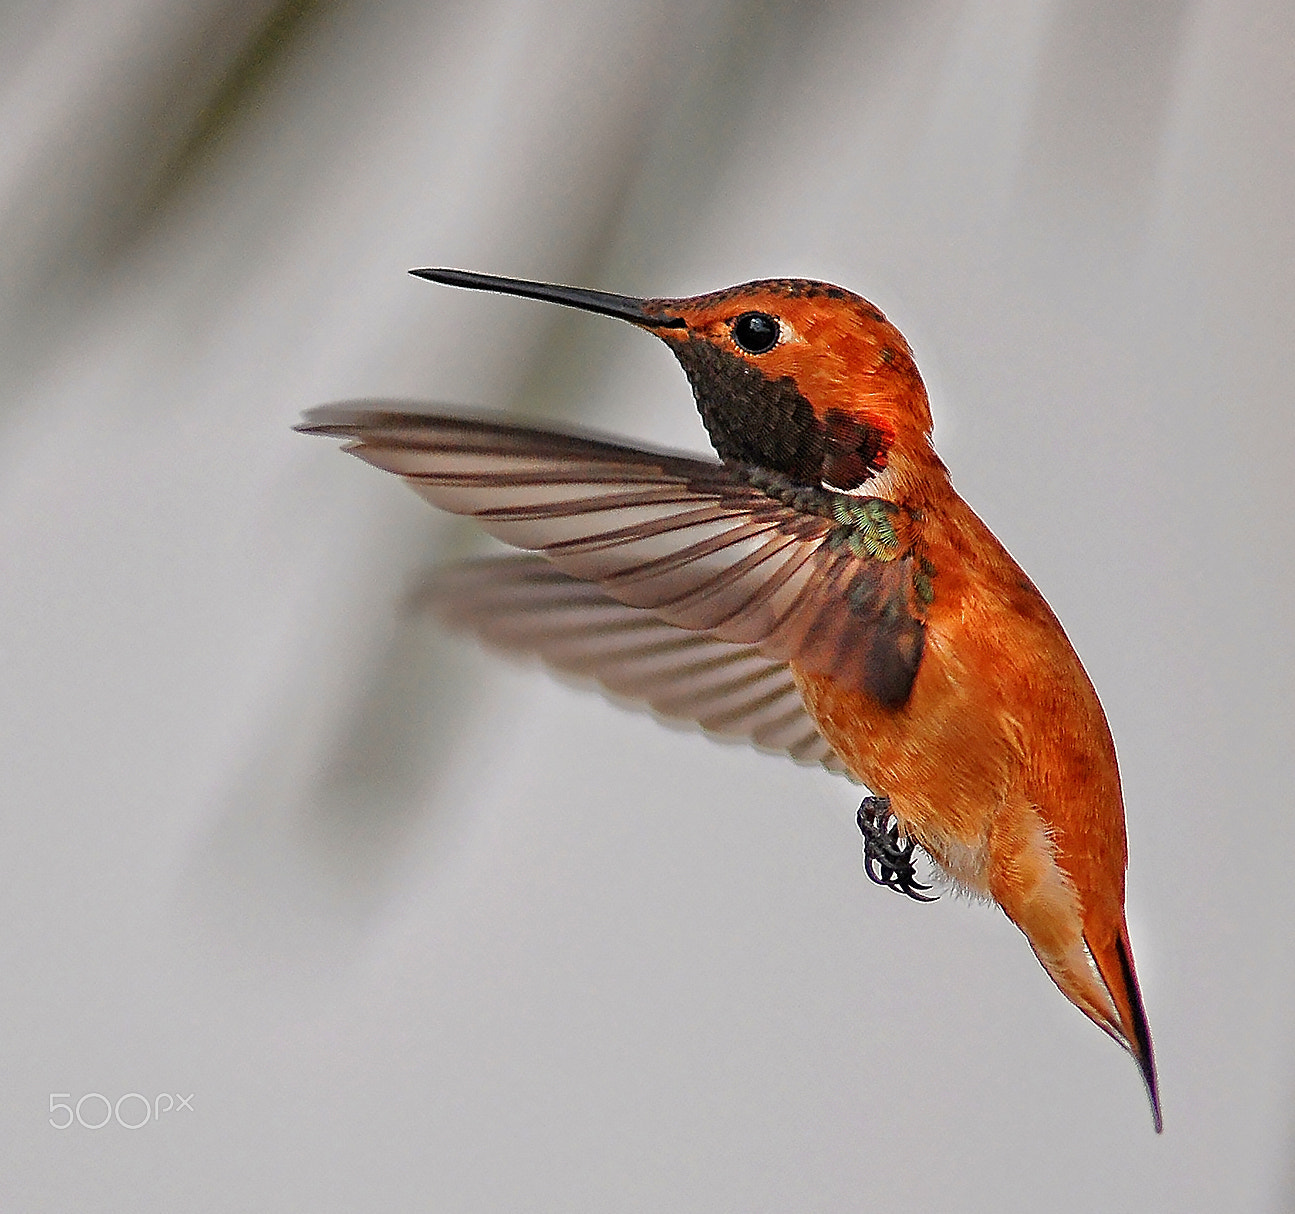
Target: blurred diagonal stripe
pixel 104 117
pixel 236 88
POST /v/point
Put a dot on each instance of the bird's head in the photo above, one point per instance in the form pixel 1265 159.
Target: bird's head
pixel 799 377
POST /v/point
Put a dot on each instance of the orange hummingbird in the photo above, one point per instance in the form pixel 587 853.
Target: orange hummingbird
pixel 820 590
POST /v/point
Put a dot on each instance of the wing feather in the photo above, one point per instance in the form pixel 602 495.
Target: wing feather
pixel 704 546
pixel 524 605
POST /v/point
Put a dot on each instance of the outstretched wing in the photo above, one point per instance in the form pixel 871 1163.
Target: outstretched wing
pixel 523 605
pixel 809 576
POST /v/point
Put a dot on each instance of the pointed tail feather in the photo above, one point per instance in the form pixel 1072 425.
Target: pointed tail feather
pixel 1114 962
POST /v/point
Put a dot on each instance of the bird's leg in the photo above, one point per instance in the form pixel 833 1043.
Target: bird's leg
pixel 888 858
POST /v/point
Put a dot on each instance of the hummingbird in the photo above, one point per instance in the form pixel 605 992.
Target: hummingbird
pixel 819 590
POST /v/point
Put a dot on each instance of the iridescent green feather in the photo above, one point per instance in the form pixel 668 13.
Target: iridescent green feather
pixel 867 525
pixel 864 525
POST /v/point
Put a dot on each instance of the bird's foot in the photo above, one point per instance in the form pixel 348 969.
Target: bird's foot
pixel 888 856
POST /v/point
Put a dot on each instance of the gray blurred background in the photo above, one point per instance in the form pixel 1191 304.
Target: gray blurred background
pixel 418 929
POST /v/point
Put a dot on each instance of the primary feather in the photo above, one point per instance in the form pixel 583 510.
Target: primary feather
pixel 523 605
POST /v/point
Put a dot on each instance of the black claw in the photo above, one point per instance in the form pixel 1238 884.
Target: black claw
pixel 888 858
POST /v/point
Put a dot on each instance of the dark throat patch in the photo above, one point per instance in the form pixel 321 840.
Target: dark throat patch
pixel 768 423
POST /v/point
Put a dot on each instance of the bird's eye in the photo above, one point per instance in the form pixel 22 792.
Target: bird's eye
pixel 756 332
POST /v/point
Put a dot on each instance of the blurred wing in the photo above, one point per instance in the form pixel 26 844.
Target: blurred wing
pixel 808 576
pixel 524 605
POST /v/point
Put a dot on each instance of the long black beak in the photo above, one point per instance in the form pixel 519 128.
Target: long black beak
pixel 624 307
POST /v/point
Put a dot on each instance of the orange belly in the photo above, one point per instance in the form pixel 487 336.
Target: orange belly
pixel 944 758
